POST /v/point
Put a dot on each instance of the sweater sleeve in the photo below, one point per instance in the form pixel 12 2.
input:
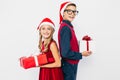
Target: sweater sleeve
pixel 66 51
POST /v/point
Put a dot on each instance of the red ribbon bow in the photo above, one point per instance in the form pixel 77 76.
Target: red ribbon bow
pixel 87 39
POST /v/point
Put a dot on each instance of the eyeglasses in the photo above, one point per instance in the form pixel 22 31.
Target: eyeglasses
pixel 71 11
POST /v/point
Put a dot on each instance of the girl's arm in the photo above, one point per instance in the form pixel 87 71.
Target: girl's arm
pixel 55 52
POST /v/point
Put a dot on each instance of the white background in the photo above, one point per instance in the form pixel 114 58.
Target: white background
pixel 99 19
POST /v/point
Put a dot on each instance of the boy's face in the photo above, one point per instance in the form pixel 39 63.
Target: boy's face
pixel 69 13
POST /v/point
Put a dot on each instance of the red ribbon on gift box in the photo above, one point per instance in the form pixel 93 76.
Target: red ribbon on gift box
pixel 87 39
pixel 35 60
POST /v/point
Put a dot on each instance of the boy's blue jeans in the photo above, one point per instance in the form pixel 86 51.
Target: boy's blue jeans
pixel 69 70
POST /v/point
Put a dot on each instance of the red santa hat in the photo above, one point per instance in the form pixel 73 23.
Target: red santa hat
pixel 62 8
pixel 46 21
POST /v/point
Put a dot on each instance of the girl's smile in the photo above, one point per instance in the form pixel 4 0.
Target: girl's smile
pixel 46 31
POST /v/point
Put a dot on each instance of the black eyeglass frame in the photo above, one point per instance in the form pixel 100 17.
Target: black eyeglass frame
pixel 71 11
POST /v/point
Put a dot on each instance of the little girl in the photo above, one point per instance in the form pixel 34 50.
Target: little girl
pixel 48 46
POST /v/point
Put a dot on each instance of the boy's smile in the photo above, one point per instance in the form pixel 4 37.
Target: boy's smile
pixel 69 13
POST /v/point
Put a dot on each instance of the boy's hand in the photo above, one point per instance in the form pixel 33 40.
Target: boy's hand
pixel 86 53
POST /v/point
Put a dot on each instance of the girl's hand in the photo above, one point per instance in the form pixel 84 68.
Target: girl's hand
pixel 86 53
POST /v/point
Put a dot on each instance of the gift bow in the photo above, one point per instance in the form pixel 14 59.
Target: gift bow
pixel 87 39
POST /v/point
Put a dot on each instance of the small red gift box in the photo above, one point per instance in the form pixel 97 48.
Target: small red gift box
pixel 87 38
pixel 34 61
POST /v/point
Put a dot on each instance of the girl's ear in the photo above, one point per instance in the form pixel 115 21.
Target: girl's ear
pixel 53 30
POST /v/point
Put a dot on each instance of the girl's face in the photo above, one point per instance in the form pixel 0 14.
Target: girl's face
pixel 69 13
pixel 46 31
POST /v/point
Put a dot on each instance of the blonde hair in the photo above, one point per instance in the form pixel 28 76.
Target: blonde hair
pixel 46 43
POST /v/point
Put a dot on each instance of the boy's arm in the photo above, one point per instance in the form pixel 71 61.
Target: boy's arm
pixel 65 45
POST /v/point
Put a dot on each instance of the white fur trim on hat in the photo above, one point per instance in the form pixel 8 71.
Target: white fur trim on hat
pixel 47 23
pixel 62 10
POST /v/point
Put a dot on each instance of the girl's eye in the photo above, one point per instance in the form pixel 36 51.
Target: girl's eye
pixel 43 28
pixel 48 28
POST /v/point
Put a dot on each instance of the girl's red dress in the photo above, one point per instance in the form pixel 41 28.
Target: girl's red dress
pixel 54 73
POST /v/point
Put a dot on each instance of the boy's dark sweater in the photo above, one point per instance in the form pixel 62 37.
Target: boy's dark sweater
pixel 65 35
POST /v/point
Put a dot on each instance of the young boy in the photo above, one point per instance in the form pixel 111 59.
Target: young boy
pixel 68 43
